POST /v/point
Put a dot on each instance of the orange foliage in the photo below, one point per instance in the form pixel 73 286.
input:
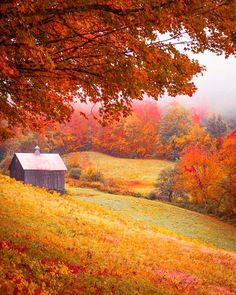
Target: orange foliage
pixel 105 52
pixel 134 137
pixel 200 174
pixel 198 137
pixel 228 160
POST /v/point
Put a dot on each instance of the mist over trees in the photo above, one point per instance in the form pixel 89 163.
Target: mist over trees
pixel 102 52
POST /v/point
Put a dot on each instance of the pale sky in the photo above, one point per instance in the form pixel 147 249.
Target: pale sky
pixel 216 88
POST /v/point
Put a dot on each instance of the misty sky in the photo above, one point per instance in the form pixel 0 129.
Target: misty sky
pixel 217 87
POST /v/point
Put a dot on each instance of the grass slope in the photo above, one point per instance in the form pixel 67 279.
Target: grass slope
pixel 136 174
pixel 182 222
pixel 57 245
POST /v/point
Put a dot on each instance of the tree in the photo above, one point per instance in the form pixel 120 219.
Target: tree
pixel 201 175
pixel 215 126
pixel 175 125
pixel 141 136
pixel 111 139
pixel 198 137
pixel 228 162
pixel 105 52
pixel 166 186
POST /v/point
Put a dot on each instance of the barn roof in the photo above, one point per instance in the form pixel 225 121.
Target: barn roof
pixel 49 162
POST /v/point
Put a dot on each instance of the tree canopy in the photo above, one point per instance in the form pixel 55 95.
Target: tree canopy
pixel 104 52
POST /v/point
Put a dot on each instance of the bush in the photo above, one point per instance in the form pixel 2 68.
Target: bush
pixel 153 195
pixel 91 174
pixel 75 173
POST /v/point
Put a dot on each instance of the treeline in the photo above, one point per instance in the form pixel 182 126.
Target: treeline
pixel 150 132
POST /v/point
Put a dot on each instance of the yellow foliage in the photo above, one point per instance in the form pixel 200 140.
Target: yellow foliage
pixel 57 245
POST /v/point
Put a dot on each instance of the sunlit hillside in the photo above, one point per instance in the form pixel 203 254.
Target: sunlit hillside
pixel 136 174
pixel 185 223
pixel 59 245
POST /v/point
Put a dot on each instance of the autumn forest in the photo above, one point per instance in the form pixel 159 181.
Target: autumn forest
pixel 110 183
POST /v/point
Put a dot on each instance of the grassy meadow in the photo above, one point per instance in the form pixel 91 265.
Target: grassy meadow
pixel 138 175
pixel 53 244
pixel 172 219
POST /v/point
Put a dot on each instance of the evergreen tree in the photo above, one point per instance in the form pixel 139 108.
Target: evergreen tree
pixel 216 126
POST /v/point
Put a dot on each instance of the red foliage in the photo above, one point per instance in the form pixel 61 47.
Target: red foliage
pixel 232 135
pixel 199 113
pixel 72 267
pixel 10 245
pixel 148 110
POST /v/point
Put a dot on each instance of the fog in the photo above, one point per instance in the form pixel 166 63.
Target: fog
pixel 216 88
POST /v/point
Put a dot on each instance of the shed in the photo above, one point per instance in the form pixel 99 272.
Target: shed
pixel 43 170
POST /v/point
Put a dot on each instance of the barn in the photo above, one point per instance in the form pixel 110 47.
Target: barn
pixel 43 170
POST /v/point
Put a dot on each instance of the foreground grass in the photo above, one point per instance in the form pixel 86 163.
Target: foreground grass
pixel 57 245
pixel 138 175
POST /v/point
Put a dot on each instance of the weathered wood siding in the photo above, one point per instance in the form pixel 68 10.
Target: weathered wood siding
pixel 54 180
pixel 50 179
pixel 16 170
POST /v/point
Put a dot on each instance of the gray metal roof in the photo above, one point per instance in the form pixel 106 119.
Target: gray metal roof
pixel 49 162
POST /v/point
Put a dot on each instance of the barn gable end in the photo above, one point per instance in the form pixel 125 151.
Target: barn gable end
pixel 16 170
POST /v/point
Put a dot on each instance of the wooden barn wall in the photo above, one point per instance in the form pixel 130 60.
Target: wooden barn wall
pixel 54 180
pixel 16 171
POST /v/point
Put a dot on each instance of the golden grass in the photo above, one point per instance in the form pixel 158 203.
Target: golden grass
pixel 175 220
pixel 57 245
pixel 138 175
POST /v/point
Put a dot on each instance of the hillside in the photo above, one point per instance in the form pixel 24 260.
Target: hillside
pixel 51 244
pixel 138 175
pixel 179 221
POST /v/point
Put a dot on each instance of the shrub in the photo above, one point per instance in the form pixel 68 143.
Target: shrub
pixel 75 173
pixel 153 195
pixel 91 174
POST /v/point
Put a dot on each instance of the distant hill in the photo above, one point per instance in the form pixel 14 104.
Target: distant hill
pixel 58 245
pixel 138 175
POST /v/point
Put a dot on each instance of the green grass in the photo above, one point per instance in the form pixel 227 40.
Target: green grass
pixel 171 218
pixel 138 175
pixel 58 245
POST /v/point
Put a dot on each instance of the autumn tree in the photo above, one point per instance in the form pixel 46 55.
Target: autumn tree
pixel 228 162
pixel 141 136
pixel 105 52
pixel 148 111
pixel 201 175
pixel 198 137
pixel 134 137
pixel 175 124
pixel 83 128
pixel 111 139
